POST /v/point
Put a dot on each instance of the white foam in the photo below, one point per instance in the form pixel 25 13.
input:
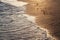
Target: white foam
pixel 30 18
pixel 15 2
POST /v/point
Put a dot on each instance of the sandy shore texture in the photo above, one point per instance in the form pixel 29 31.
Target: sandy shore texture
pixel 47 13
pixel 16 25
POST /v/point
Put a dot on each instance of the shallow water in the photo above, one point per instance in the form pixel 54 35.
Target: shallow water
pixel 16 25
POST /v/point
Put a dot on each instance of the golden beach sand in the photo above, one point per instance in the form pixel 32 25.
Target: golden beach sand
pixel 47 13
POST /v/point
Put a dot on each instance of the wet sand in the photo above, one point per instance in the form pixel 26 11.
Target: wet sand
pixel 47 15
